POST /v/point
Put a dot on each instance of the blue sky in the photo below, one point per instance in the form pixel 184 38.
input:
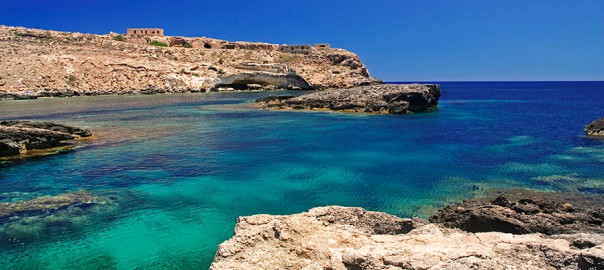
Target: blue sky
pixel 415 40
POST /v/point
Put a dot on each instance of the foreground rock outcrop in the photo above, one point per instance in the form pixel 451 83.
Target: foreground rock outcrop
pixel 352 238
pixel 595 128
pixel 17 137
pixel 39 63
pixel 385 98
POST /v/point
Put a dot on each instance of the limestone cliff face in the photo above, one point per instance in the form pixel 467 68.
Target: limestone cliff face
pixel 60 63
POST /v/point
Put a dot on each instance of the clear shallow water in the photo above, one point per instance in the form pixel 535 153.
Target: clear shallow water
pixel 180 169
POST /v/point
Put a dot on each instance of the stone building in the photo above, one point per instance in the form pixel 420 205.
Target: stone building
pixel 322 45
pixel 295 48
pixel 145 32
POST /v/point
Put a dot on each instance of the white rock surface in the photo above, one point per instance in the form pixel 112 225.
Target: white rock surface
pixel 352 238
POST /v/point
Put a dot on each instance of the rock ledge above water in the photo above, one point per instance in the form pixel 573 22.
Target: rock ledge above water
pixel 595 128
pixel 381 98
pixel 522 217
pixel 17 137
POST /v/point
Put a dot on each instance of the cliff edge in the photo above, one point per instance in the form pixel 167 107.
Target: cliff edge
pixel 346 238
pixel 51 63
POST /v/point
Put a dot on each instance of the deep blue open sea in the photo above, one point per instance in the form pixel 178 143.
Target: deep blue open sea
pixel 177 170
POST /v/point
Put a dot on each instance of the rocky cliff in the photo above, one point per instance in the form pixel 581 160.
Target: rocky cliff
pixel 50 63
pixel 352 238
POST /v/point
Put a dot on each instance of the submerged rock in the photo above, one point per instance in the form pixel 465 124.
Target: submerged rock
pixel 42 218
pixel 522 217
pixel 352 238
pixel 595 128
pixel 46 204
pixel 17 137
pixel 383 98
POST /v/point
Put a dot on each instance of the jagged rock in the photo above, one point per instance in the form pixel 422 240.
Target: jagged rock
pixel 46 204
pixel 352 238
pixel 17 137
pixel 522 217
pixel 595 128
pixel 385 98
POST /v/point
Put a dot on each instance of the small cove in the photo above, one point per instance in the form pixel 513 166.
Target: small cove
pixel 181 168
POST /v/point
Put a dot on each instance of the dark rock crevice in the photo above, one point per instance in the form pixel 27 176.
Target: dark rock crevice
pixel 244 81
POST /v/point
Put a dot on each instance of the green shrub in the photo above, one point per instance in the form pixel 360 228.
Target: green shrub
pixel 195 74
pixel 119 38
pixel 187 45
pixel 72 80
pixel 247 55
pixel 182 71
pixel 157 43
pixel 285 58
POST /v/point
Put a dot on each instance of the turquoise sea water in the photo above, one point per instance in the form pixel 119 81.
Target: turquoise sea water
pixel 177 170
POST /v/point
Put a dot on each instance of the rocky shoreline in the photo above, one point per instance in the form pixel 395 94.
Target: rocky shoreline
pixel 469 235
pixel 19 137
pixel 382 98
